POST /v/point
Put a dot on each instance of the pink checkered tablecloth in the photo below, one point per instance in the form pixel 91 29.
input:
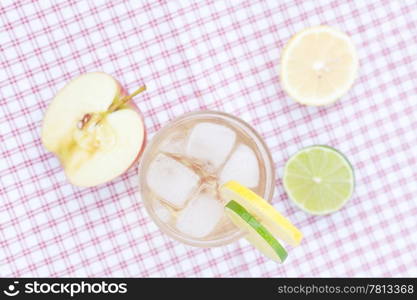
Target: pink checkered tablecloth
pixel 221 55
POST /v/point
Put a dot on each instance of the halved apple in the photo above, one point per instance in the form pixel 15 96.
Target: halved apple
pixel 93 130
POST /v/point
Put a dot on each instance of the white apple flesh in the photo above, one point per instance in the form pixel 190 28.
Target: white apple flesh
pixel 94 137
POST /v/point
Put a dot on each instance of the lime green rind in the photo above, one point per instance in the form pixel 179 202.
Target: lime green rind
pixel 259 228
pixel 341 154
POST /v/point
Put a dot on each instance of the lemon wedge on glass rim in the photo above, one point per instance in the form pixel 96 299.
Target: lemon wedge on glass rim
pixel 263 224
pixel 318 65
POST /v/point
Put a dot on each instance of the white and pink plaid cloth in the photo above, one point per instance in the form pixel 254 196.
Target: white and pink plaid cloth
pixel 221 55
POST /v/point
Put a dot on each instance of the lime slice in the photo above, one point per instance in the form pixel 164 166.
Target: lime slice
pixel 319 180
pixel 276 223
pixel 318 65
pixel 257 234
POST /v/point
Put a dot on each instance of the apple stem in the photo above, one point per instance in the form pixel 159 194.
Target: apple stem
pixel 114 106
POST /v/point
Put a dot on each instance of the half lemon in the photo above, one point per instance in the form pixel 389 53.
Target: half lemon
pixel 318 65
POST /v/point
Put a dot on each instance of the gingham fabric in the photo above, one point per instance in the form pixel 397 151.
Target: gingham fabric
pixel 220 55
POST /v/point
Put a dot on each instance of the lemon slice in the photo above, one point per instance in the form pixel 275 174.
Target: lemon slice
pixel 319 179
pixel 274 222
pixel 318 65
pixel 257 234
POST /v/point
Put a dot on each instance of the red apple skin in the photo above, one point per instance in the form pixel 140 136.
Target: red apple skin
pixel 132 105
